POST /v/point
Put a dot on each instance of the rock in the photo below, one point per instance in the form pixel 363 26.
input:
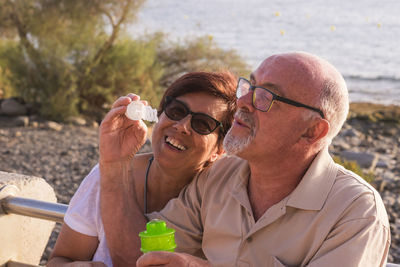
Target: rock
pixel 350 133
pixel 53 126
pixel 381 150
pixel 12 107
pixel 341 144
pixel 76 121
pixel 93 124
pixel 390 132
pixel 364 159
pixel 34 124
pixel 381 164
pixel 19 121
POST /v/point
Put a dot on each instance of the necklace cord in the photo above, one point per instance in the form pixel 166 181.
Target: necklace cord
pixel 145 183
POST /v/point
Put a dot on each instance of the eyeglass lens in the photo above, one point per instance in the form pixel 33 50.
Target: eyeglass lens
pixel 262 99
pixel 201 123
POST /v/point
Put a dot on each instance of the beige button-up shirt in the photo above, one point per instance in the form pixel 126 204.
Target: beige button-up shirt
pixel 332 218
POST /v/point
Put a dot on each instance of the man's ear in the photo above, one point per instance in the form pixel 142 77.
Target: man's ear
pixel 316 131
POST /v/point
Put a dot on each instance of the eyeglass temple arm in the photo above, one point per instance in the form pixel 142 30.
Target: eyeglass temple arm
pixel 297 104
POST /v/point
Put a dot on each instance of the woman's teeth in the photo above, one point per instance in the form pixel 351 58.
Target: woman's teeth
pixel 173 142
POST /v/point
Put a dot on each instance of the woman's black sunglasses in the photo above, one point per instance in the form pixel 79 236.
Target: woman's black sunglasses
pixel 200 122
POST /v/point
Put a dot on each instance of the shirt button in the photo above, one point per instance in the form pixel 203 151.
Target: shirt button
pixel 249 239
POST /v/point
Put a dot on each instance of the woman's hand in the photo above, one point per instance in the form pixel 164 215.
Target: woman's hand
pixel 119 137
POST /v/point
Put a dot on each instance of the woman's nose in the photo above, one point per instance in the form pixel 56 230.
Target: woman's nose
pixel 183 125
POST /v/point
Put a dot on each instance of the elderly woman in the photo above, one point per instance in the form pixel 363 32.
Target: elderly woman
pixel 194 115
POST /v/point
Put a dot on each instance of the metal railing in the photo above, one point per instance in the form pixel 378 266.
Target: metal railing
pixel 34 208
pixel 10 204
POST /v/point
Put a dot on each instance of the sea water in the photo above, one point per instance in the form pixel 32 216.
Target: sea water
pixel 360 37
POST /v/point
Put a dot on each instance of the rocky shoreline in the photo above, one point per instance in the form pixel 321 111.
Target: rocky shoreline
pixel 64 153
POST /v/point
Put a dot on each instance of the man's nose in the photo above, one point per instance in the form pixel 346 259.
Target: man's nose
pixel 183 125
pixel 246 101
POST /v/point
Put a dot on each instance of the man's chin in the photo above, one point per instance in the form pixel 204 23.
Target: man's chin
pixel 234 145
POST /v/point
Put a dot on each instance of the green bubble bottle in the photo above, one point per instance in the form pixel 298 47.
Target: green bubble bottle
pixel 157 237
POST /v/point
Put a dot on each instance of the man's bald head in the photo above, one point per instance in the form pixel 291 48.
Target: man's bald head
pixel 310 80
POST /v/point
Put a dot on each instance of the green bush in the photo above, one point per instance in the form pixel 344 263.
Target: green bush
pixel 129 66
pixel 200 53
pixel 145 66
pixel 10 58
pixel 354 167
pixel 72 57
pixel 6 89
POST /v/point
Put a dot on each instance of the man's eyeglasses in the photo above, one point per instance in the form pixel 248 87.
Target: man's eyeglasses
pixel 264 98
pixel 200 122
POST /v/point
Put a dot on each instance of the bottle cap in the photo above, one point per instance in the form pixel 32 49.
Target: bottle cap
pixel 157 237
pixel 136 110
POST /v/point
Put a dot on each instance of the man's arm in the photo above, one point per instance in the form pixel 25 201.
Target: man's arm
pixel 350 245
pixel 362 241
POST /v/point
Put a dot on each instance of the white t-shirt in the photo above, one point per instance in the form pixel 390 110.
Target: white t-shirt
pixel 83 214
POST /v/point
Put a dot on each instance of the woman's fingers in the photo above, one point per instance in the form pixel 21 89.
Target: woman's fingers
pixel 117 111
pixel 133 96
pixel 119 107
pixel 121 101
pixel 125 100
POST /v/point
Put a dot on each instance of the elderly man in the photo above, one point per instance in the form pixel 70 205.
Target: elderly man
pixel 278 199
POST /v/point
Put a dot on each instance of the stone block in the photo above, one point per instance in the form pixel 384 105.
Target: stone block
pixel 23 239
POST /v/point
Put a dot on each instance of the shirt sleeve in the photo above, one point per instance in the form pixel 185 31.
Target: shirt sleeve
pixel 184 215
pixel 83 213
pixel 355 241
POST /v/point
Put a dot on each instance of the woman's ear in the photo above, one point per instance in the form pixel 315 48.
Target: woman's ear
pixel 217 154
pixel 316 131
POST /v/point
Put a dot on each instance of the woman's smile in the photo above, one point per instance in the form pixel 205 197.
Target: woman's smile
pixel 171 141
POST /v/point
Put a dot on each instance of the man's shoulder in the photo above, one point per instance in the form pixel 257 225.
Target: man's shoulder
pixel 357 195
pixel 229 161
pixel 228 165
pixel 227 169
pixel 349 182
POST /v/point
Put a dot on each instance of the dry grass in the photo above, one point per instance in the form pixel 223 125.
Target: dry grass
pixel 375 112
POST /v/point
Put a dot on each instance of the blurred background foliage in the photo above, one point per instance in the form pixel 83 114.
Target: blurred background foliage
pixel 368 176
pixel 73 57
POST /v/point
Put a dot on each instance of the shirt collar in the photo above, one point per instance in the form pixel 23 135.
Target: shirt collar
pixel 239 190
pixel 313 189
pixel 310 194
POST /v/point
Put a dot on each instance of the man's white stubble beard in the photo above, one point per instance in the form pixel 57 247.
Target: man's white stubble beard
pixel 236 144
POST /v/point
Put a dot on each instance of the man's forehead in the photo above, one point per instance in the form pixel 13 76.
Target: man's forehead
pixel 276 88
